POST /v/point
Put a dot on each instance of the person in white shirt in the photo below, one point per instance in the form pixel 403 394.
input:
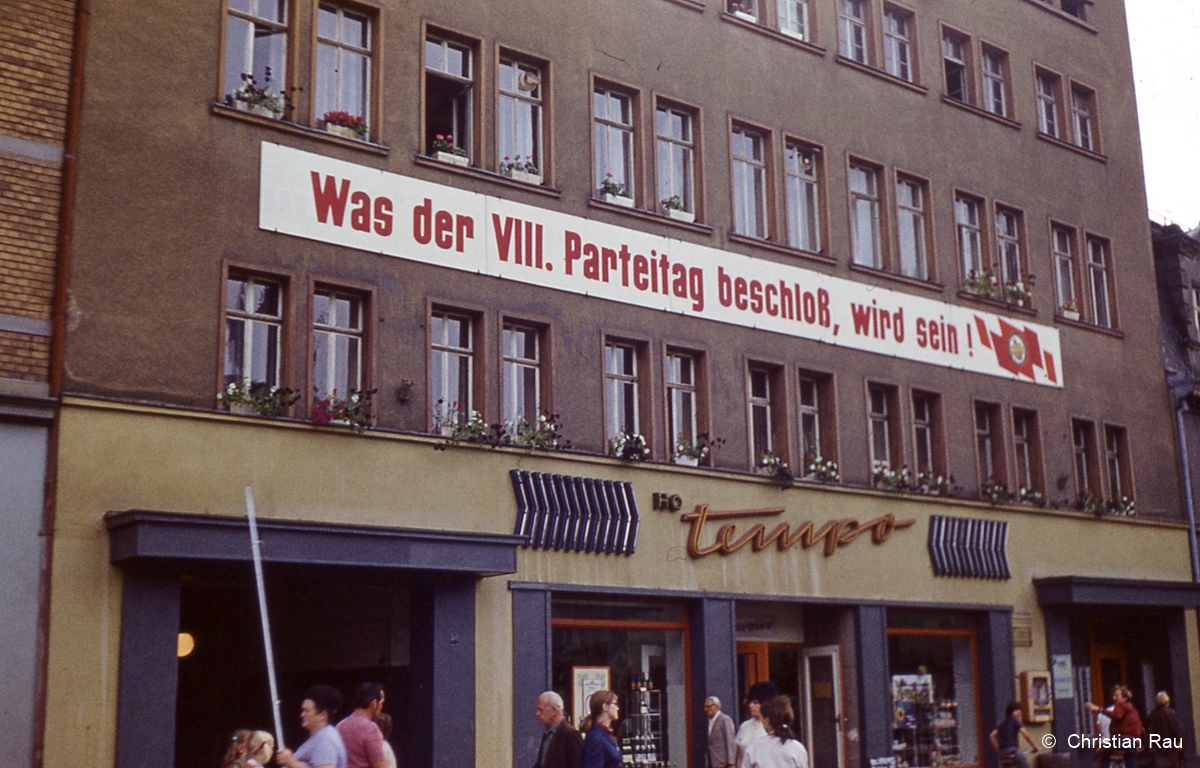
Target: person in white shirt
pixel 779 748
pixel 760 693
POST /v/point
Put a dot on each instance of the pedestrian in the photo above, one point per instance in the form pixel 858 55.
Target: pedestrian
pixel 1167 750
pixel 360 734
pixel 1126 727
pixel 324 747
pixel 1006 738
pixel 722 744
pixel 561 743
pixel 779 748
pixel 752 728
pixel 259 749
pixel 384 721
pixel 600 748
pixel 235 754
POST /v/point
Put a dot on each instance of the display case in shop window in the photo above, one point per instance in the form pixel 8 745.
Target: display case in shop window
pixel 924 727
pixel 642 726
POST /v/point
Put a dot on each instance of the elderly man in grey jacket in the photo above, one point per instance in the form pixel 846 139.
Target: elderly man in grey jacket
pixel 722 749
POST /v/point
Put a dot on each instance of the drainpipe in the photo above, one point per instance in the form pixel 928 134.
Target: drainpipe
pixel 1187 489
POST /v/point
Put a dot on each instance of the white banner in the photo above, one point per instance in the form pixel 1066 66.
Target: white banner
pixel 332 201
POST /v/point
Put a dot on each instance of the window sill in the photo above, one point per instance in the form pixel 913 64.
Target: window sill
pixel 638 213
pixel 997 303
pixel 774 34
pixel 692 4
pixel 300 130
pixel 1100 158
pixel 1083 324
pixel 1005 121
pixel 926 285
pixel 786 250
pixel 479 173
pixel 881 75
pixel 1050 9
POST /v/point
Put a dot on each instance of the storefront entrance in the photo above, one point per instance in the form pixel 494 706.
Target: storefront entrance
pixel 823 705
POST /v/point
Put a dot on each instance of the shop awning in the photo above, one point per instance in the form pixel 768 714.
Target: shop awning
pixel 175 536
pixel 575 514
pixel 968 548
pixel 1090 590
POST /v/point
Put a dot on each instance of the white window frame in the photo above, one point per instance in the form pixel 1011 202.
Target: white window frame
pixel 749 168
pixel 923 431
pixel 251 62
pixel 810 401
pixel 1115 458
pixel 852 30
pixel 676 178
pixel 865 225
pixel 793 18
pixel 803 196
pixel 683 396
pixel 995 82
pixel 1062 247
pixel 525 120
pixel 516 367
pixel 985 440
pixel 1023 448
pixel 265 327
pixel 1047 103
pixel 614 137
pixel 1098 282
pixel 344 54
pixel 444 352
pixel 897 43
pixel 879 423
pixel 334 330
pixel 462 119
pixel 622 391
pixel 911 232
pixel 760 409
pixel 967 219
pixel 954 65
pixel 1084 122
pixel 1081 450
pixel 1008 245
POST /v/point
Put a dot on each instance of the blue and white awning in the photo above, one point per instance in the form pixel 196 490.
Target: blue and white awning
pixel 964 547
pixel 575 514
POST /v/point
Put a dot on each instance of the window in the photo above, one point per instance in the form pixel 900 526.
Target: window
pixel 989 445
pixel 1116 455
pixel 674 129
pixel 793 19
pixel 1047 103
pixel 451 367
pixel 256 38
pixel 621 389
pixel 1196 309
pixel 1083 110
pixel 1083 442
pixel 995 81
pixel 343 76
pixel 883 422
pixel 612 112
pixel 520 141
pixel 521 385
pixel 928 444
pixel 337 343
pixel 449 94
pixel 1077 8
pixel 761 417
pixel 682 397
pixel 970 235
pixel 852 29
pixel 818 432
pixel 253 325
pixel 1027 450
pixel 897 47
pixel 955 49
pixel 749 182
pixel 864 216
pixel 1062 249
pixel 803 197
pixel 1098 282
pixel 1008 246
pixel 912 228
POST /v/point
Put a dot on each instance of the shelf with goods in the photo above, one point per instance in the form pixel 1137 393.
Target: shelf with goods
pixel 642 726
pixel 925 729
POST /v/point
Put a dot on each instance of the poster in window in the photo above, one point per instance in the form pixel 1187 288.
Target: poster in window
pixel 587 680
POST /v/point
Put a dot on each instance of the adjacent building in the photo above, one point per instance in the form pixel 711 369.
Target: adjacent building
pixel 845 307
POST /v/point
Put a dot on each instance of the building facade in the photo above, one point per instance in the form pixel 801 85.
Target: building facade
pixel 845 309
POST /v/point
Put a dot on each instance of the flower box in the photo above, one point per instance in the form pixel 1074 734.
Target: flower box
pixel 524 177
pixel 343 131
pixel 450 157
pixel 750 17
pixel 1070 314
pixel 254 109
pixel 243 409
pixel 687 461
pixel 679 215
pixel 621 200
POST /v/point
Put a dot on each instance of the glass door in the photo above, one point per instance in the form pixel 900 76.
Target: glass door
pixel 823 705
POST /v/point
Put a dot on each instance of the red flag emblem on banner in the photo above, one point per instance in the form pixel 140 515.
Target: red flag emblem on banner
pixel 1017 349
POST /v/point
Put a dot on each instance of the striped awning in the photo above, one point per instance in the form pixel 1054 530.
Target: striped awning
pixel 964 547
pixel 575 514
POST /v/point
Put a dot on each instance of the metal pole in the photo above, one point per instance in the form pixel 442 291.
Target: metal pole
pixel 262 612
pixel 1187 489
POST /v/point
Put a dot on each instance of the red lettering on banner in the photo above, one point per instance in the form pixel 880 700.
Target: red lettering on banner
pixel 445 230
pixel 360 217
pixel 523 241
pixel 330 198
pixel 937 335
pixel 777 300
pixel 652 274
pixel 383 216
pixel 877 322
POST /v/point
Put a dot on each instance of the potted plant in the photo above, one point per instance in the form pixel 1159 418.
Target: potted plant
pixel 613 191
pixel 1122 506
pixel 984 285
pixel 257 398
pixel 525 171
pixel 1019 292
pixel 888 479
pixel 673 206
pixel 773 465
pixel 931 484
pixel 744 11
pixel 994 491
pixel 344 124
pixel 691 452
pixel 256 99
pixel 447 151
pixel 630 447
pixel 1030 497
pixel 353 411
pixel 1070 309
pixel 821 470
pixel 544 434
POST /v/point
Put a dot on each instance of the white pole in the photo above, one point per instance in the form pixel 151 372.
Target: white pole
pixel 262 612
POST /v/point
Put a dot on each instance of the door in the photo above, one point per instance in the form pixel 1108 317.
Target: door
pixel 1108 670
pixel 823 705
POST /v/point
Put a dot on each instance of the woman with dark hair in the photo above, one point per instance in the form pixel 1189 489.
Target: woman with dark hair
pixel 752 727
pixel 600 748
pixel 779 748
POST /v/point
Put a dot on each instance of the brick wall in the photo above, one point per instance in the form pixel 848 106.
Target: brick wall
pixel 35 63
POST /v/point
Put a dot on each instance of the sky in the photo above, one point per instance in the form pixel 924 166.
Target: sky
pixel 1165 39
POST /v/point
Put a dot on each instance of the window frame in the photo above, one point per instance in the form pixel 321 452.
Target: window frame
pixel 863 24
pixel 519 58
pixel 476 321
pixel 288 29
pixel 1070 259
pixel 642 380
pixel 366 295
pixel 935 425
pixel 1052 101
pixel 890 420
pixel 474 117
pixel 964 198
pixel 1118 480
pixel 635 128
pixel 694 114
pixel 776 402
pixel 824 411
pixel 965 63
pixel 817 182
pixel 989 80
pixel 700 395
pixel 907 41
pixel 877 204
pixel 995 470
pixel 374 108
pixel 284 360
pixel 1105 268
pixel 545 388
pixel 766 185
pixel 1028 442
pixel 926 258
pixel 808 34
pixel 1085 457
pixel 1088 141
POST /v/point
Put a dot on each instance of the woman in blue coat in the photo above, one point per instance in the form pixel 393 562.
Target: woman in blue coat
pixel 600 748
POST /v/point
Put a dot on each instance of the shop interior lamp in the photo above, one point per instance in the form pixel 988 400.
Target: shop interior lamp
pixel 187 644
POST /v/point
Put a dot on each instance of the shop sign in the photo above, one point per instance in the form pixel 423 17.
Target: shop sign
pixel 832 535
pixel 332 201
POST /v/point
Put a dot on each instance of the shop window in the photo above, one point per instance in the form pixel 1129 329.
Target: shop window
pixel 1049 101
pixel 956 52
pixel 253 328
pixel 793 19
pixel 638 651
pixel 613 139
pixel 1099 283
pixel 1083 117
pixel 897 43
pixel 818 424
pixel 853 42
pixel 451 368
pixel 997 95
pixel 1116 459
pixel 748 155
pixel 803 192
pixel 676 156
pixel 989 443
pixel 928 433
pixel 764 391
pixel 1087 468
pixel 256 41
pixel 912 227
pixel 883 423
pixel 337 343
pixel 622 388
pixel 1027 451
pixel 449 96
pixel 521 396
pixel 1062 250
pixel 344 69
pixel 866 245
pixel 933 663
pixel 683 396
pixel 520 138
